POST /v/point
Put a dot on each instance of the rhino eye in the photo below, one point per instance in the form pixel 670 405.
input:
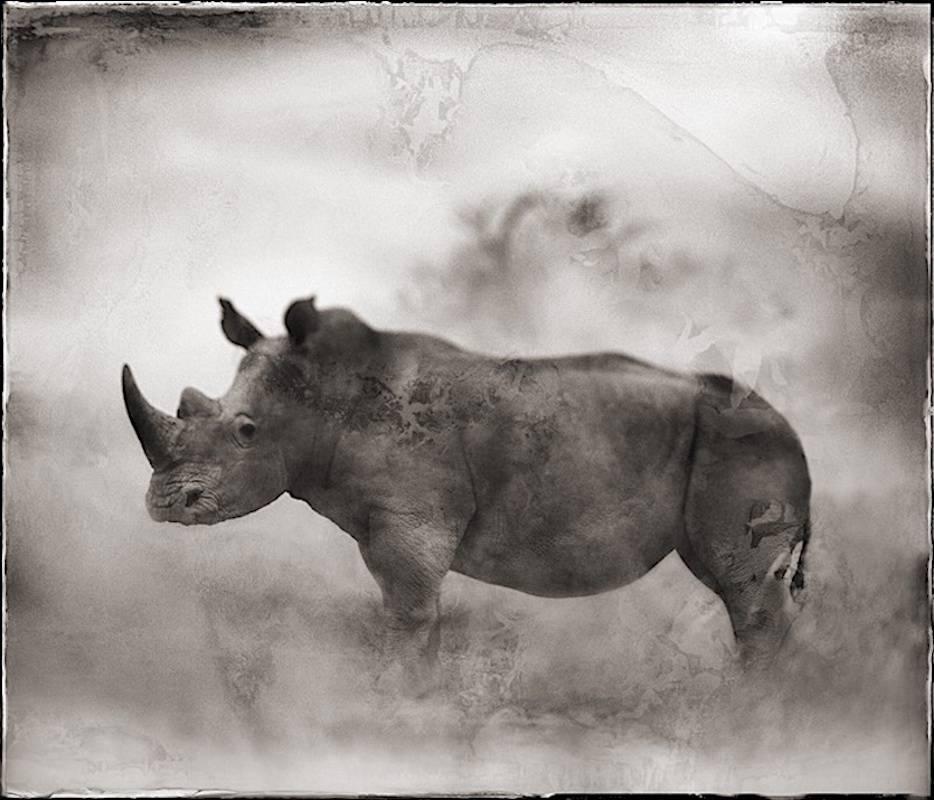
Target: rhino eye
pixel 244 430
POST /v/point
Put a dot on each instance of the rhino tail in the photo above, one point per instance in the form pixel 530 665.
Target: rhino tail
pixel 796 585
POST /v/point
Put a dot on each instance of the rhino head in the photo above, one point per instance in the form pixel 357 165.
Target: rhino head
pixel 222 458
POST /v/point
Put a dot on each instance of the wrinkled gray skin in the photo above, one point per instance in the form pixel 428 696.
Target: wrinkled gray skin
pixel 557 477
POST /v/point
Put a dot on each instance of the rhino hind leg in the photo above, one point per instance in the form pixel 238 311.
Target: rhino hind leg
pixel 747 519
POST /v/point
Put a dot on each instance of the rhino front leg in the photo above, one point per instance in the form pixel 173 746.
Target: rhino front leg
pixel 409 554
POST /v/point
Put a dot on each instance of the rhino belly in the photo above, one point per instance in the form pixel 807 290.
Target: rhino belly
pixel 578 498
pixel 569 548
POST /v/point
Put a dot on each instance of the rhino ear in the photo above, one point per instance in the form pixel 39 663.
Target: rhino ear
pixel 301 320
pixel 237 328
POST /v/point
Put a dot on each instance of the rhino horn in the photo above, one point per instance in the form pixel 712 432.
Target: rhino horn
pixel 155 430
pixel 195 404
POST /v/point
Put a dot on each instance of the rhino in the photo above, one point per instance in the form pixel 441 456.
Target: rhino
pixel 557 477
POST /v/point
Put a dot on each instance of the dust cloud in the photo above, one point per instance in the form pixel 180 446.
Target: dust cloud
pixel 522 182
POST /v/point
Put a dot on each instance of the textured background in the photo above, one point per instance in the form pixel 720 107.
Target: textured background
pixel 737 188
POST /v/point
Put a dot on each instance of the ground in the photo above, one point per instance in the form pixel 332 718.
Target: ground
pixel 245 656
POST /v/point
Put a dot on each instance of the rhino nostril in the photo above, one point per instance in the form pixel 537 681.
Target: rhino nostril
pixel 192 496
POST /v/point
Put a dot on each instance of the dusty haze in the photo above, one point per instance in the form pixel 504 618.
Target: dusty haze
pixel 737 189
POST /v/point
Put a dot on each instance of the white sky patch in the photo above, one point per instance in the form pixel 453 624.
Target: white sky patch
pixel 753 90
pixel 761 99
